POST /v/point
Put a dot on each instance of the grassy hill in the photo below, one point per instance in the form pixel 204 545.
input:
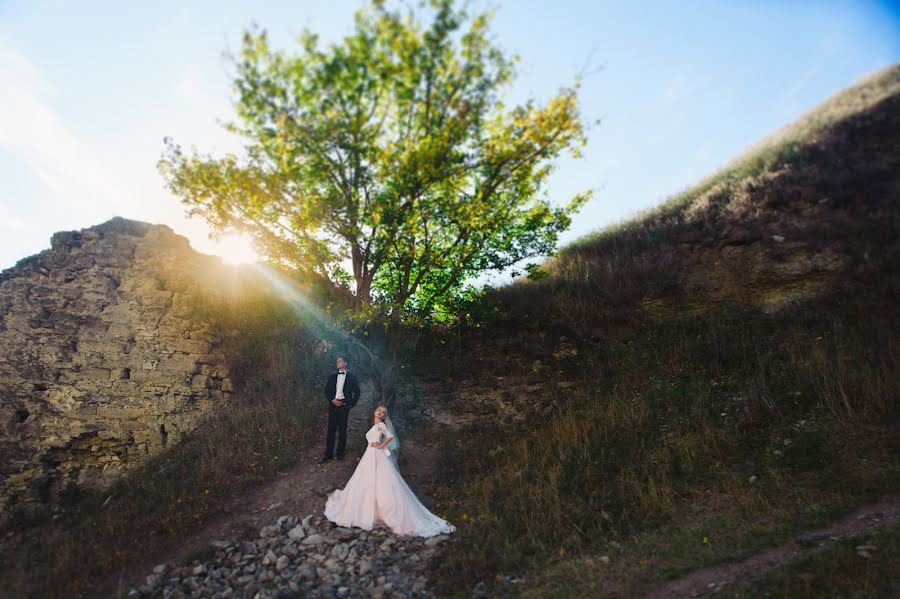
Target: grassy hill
pixel 704 381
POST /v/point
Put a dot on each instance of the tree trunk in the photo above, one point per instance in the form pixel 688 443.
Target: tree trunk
pixel 363 279
pixel 382 345
pixel 364 291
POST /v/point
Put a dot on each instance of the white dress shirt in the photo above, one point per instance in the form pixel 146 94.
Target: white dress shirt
pixel 339 389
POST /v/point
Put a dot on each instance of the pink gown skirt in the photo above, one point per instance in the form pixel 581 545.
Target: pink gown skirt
pixel 377 493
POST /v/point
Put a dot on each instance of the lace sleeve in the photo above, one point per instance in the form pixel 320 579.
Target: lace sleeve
pixel 384 431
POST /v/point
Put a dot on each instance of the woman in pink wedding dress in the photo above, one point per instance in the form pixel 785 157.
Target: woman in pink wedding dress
pixel 376 493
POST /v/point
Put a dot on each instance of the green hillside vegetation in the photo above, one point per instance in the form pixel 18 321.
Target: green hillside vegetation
pixel 727 423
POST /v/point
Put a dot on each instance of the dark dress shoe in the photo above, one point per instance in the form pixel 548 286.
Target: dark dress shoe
pixel 325 460
pixel 340 456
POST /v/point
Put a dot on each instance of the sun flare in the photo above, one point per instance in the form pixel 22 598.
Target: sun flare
pixel 235 248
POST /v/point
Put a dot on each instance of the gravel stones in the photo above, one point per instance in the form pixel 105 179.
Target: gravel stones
pixel 312 558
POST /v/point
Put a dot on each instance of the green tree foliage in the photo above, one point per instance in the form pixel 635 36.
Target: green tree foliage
pixel 391 150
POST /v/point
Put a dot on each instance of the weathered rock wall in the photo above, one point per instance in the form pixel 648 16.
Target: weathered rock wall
pixel 105 358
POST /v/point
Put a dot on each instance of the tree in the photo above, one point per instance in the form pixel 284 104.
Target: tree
pixel 391 151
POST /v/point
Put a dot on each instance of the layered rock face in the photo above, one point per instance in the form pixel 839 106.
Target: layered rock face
pixel 104 357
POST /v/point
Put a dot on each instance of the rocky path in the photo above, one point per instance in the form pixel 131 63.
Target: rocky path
pixel 719 579
pixel 306 558
pixel 295 495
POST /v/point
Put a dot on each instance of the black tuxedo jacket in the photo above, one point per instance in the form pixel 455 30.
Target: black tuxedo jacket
pixel 351 389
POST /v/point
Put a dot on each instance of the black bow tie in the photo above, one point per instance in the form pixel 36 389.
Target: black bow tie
pixel 342 373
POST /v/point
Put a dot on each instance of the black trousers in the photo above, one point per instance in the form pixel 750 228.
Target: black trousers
pixel 337 421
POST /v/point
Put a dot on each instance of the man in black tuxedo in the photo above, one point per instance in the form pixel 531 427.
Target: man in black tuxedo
pixel 342 393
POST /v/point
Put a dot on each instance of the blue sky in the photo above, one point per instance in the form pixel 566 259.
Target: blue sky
pixel 89 89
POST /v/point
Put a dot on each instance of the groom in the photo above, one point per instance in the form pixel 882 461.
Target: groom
pixel 342 393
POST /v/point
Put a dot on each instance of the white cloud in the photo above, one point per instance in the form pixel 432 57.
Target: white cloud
pixel 34 133
pixel 678 89
pixel 672 123
pixel 819 59
pixel 187 86
pixel 789 97
pixel 80 187
pixel 10 222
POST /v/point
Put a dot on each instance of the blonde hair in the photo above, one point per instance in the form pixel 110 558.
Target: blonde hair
pixel 382 407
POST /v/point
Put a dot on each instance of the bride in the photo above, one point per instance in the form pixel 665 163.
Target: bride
pixel 377 493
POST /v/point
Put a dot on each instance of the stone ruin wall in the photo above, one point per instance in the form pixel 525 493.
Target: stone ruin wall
pixel 103 360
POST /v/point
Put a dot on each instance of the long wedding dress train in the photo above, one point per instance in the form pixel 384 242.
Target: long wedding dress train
pixel 377 493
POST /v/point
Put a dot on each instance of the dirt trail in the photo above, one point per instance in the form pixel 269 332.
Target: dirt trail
pixel 299 491
pixel 865 520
